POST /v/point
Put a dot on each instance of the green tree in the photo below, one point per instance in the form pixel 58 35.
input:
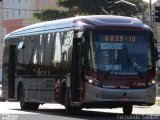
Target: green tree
pixel 50 14
pixel 87 7
pixel 128 10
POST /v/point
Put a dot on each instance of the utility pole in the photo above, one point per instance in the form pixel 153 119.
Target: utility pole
pixel 150 6
pixel 143 16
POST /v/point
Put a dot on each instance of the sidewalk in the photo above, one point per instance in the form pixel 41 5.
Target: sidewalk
pixel 158 100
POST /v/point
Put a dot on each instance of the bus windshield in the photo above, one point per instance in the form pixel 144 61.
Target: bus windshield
pixel 121 53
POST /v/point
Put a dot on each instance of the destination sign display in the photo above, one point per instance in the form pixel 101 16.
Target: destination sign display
pixel 120 38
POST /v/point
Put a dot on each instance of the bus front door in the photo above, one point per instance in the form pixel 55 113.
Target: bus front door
pixel 76 74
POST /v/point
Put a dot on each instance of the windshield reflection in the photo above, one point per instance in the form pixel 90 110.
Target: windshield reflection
pixel 121 52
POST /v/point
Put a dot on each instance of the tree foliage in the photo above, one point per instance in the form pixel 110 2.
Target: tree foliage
pixel 50 14
pixel 88 7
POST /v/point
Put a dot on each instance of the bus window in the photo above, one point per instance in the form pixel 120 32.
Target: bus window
pixel 21 45
pixel 120 52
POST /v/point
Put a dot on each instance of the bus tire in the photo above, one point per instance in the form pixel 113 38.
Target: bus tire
pixel 127 109
pixel 33 106
pixel 26 105
pixel 62 94
pixel 68 108
pixel 23 104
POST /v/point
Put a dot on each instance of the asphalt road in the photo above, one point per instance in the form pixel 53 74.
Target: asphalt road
pixel 12 111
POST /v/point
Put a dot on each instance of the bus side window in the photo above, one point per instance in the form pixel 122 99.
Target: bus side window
pixel 21 45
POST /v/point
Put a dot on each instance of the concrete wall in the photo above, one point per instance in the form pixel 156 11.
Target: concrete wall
pixel 17 12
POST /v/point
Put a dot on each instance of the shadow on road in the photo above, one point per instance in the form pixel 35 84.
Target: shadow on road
pixel 90 115
pixel 94 115
pixel 86 115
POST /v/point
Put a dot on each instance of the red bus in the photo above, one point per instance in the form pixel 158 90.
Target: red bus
pixel 98 61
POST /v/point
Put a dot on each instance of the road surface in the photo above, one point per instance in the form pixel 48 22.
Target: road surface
pixel 12 111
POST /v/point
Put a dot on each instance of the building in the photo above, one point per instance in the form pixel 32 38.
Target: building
pixel 15 14
pixel 2 33
pixel 19 13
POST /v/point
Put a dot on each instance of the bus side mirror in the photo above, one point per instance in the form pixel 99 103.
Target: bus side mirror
pixel 157 54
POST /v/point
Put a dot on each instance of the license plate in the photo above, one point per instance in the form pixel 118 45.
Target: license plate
pixel 123 99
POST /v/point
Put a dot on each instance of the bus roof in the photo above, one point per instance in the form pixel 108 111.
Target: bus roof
pixel 79 21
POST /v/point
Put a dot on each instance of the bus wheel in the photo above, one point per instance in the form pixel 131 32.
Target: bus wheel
pixel 26 105
pixel 23 104
pixel 70 109
pixel 127 109
pixel 33 106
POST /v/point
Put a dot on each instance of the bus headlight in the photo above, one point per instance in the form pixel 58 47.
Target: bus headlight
pixel 94 82
pixel 151 82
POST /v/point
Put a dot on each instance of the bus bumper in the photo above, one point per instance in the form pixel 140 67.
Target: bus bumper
pixel 119 97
